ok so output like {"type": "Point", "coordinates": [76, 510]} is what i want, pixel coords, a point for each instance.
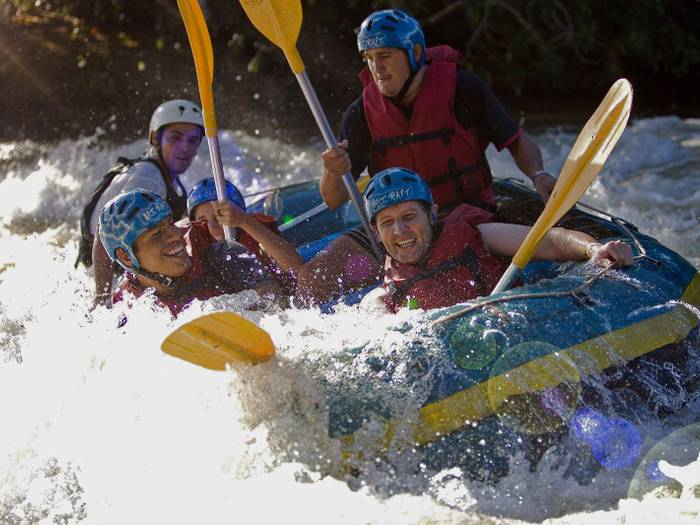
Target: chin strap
{"type": "Point", "coordinates": [168, 282]}
{"type": "Point", "coordinates": [404, 89]}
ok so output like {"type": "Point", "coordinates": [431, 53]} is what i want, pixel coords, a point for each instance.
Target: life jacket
{"type": "Point", "coordinates": [178, 203]}
{"type": "Point", "coordinates": [458, 266]}
{"type": "Point", "coordinates": [433, 142]}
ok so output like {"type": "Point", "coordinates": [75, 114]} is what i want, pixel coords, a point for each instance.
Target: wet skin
{"type": "Point", "coordinates": [161, 249]}
{"type": "Point", "coordinates": [178, 146]}
{"type": "Point", "coordinates": [405, 230]}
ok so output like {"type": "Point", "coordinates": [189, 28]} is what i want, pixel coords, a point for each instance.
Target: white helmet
{"type": "Point", "coordinates": [175, 111]}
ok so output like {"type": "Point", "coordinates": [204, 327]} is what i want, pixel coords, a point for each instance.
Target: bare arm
{"type": "Point", "coordinates": [276, 246]}
{"type": "Point", "coordinates": [559, 244]}
{"type": "Point", "coordinates": [336, 162]}
{"type": "Point", "coordinates": [528, 158]}
{"type": "Point", "coordinates": [102, 266]}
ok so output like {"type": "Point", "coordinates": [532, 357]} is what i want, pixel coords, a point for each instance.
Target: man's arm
{"type": "Point", "coordinates": [528, 158]}
{"type": "Point", "coordinates": [102, 266]}
{"type": "Point", "coordinates": [350, 155]}
{"type": "Point", "coordinates": [559, 244]}
{"type": "Point", "coordinates": [274, 245]}
{"type": "Point", "coordinates": [336, 162]}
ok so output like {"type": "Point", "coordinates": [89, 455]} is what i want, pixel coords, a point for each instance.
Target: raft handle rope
{"type": "Point", "coordinates": [579, 293]}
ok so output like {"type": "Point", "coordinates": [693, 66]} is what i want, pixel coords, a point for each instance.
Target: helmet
{"type": "Point", "coordinates": [175, 111]}
{"type": "Point", "coordinates": [126, 217]}
{"type": "Point", "coordinates": [392, 28]}
{"type": "Point", "coordinates": [205, 191]}
{"type": "Point", "coordinates": [393, 186]}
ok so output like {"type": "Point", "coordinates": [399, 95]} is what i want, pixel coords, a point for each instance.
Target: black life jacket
{"type": "Point", "coordinates": [178, 203]}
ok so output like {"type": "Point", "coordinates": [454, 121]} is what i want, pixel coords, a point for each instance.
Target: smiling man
{"type": "Point", "coordinates": [418, 110]}
{"type": "Point", "coordinates": [431, 263]}
{"type": "Point", "coordinates": [178, 264]}
{"type": "Point", "coordinates": [175, 133]}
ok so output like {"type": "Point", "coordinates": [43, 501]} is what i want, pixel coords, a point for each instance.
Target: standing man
{"type": "Point", "coordinates": [419, 111]}
{"type": "Point", "coordinates": [174, 135]}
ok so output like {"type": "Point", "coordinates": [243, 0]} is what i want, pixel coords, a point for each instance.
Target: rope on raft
{"type": "Point", "coordinates": [578, 293]}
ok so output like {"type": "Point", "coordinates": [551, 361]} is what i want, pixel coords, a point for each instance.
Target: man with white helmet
{"type": "Point", "coordinates": [418, 110]}
{"type": "Point", "coordinates": [174, 135]}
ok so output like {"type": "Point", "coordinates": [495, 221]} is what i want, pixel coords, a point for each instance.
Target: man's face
{"type": "Point", "coordinates": [161, 249]}
{"type": "Point", "coordinates": [405, 231]}
{"type": "Point", "coordinates": [178, 146]}
{"type": "Point", "coordinates": [389, 67]}
{"type": "Point", "coordinates": [205, 213]}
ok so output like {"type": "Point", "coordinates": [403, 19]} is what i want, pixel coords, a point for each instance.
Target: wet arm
{"type": "Point", "coordinates": [278, 248]}
{"type": "Point", "coordinates": [102, 266]}
{"type": "Point", "coordinates": [559, 244]}
{"type": "Point", "coordinates": [528, 158]}
{"type": "Point", "coordinates": [282, 251]}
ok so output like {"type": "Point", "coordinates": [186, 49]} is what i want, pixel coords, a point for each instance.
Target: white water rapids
{"type": "Point", "coordinates": [98, 426]}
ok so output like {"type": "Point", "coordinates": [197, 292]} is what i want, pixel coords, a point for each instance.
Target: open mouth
{"type": "Point", "coordinates": [405, 244]}
{"type": "Point", "coordinates": [175, 251]}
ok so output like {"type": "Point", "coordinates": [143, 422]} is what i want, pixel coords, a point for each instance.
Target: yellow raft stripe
{"type": "Point", "coordinates": [589, 357]}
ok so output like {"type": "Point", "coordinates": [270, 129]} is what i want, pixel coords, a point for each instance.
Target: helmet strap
{"type": "Point", "coordinates": [168, 282]}
{"type": "Point", "coordinates": [404, 89]}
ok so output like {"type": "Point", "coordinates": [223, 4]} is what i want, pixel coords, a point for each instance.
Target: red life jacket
{"type": "Point", "coordinates": [433, 143]}
{"type": "Point", "coordinates": [458, 266]}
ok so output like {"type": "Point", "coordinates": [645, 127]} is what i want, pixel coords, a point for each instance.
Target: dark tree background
{"type": "Point", "coordinates": [71, 66]}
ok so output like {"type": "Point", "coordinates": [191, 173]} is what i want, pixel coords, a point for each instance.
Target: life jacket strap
{"type": "Point", "coordinates": [382, 145]}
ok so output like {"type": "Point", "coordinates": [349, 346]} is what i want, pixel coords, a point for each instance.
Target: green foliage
{"type": "Point", "coordinates": [521, 47]}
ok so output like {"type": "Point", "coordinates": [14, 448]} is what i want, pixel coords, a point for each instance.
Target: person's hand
{"type": "Point", "coordinates": [228, 214]}
{"type": "Point", "coordinates": [617, 253]}
{"type": "Point", "coordinates": [544, 184]}
{"type": "Point", "coordinates": [336, 161]}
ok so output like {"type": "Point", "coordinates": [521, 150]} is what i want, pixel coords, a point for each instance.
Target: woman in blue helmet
{"type": "Point", "coordinates": [179, 264]}
{"type": "Point", "coordinates": [417, 110]}
{"type": "Point", "coordinates": [432, 263]}
{"type": "Point", "coordinates": [174, 135]}
{"type": "Point", "coordinates": [257, 232]}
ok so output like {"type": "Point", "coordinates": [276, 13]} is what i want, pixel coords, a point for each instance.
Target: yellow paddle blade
{"type": "Point", "coordinates": [200, 43]}
{"type": "Point", "coordinates": [592, 148]}
{"type": "Point", "coordinates": [215, 340]}
{"type": "Point", "coordinates": [363, 182]}
{"type": "Point", "coordinates": [280, 22]}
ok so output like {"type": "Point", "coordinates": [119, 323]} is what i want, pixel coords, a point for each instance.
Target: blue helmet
{"type": "Point", "coordinates": [393, 186]}
{"type": "Point", "coordinates": [392, 28]}
{"type": "Point", "coordinates": [205, 191]}
{"type": "Point", "coordinates": [126, 217]}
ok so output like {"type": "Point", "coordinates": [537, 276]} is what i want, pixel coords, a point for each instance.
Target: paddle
{"type": "Point", "coordinates": [215, 340]}
{"type": "Point", "coordinates": [316, 210]}
{"type": "Point", "coordinates": [590, 151]}
{"type": "Point", "coordinates": [198, 35]}
{"type": "Point", "coordinates": [280, 22]}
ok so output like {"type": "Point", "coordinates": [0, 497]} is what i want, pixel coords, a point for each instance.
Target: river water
{"type": "Point", "coordinates": [98, 426]}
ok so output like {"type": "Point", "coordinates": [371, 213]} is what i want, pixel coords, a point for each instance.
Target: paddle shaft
{"type": "Point", "coordinates": [330, 141]}
{"type": "Point", "coordinates": [510, 275]}
{"type": "Point", "coordinates": [200, 43]}
{"type": "Point", "coordinates": [219, 181]}
{"type": "Point", "coordinates": [588, 154]}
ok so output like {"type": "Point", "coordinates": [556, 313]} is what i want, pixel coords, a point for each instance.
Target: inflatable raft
{"type": "Point", "coordinates": [543, 361]}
